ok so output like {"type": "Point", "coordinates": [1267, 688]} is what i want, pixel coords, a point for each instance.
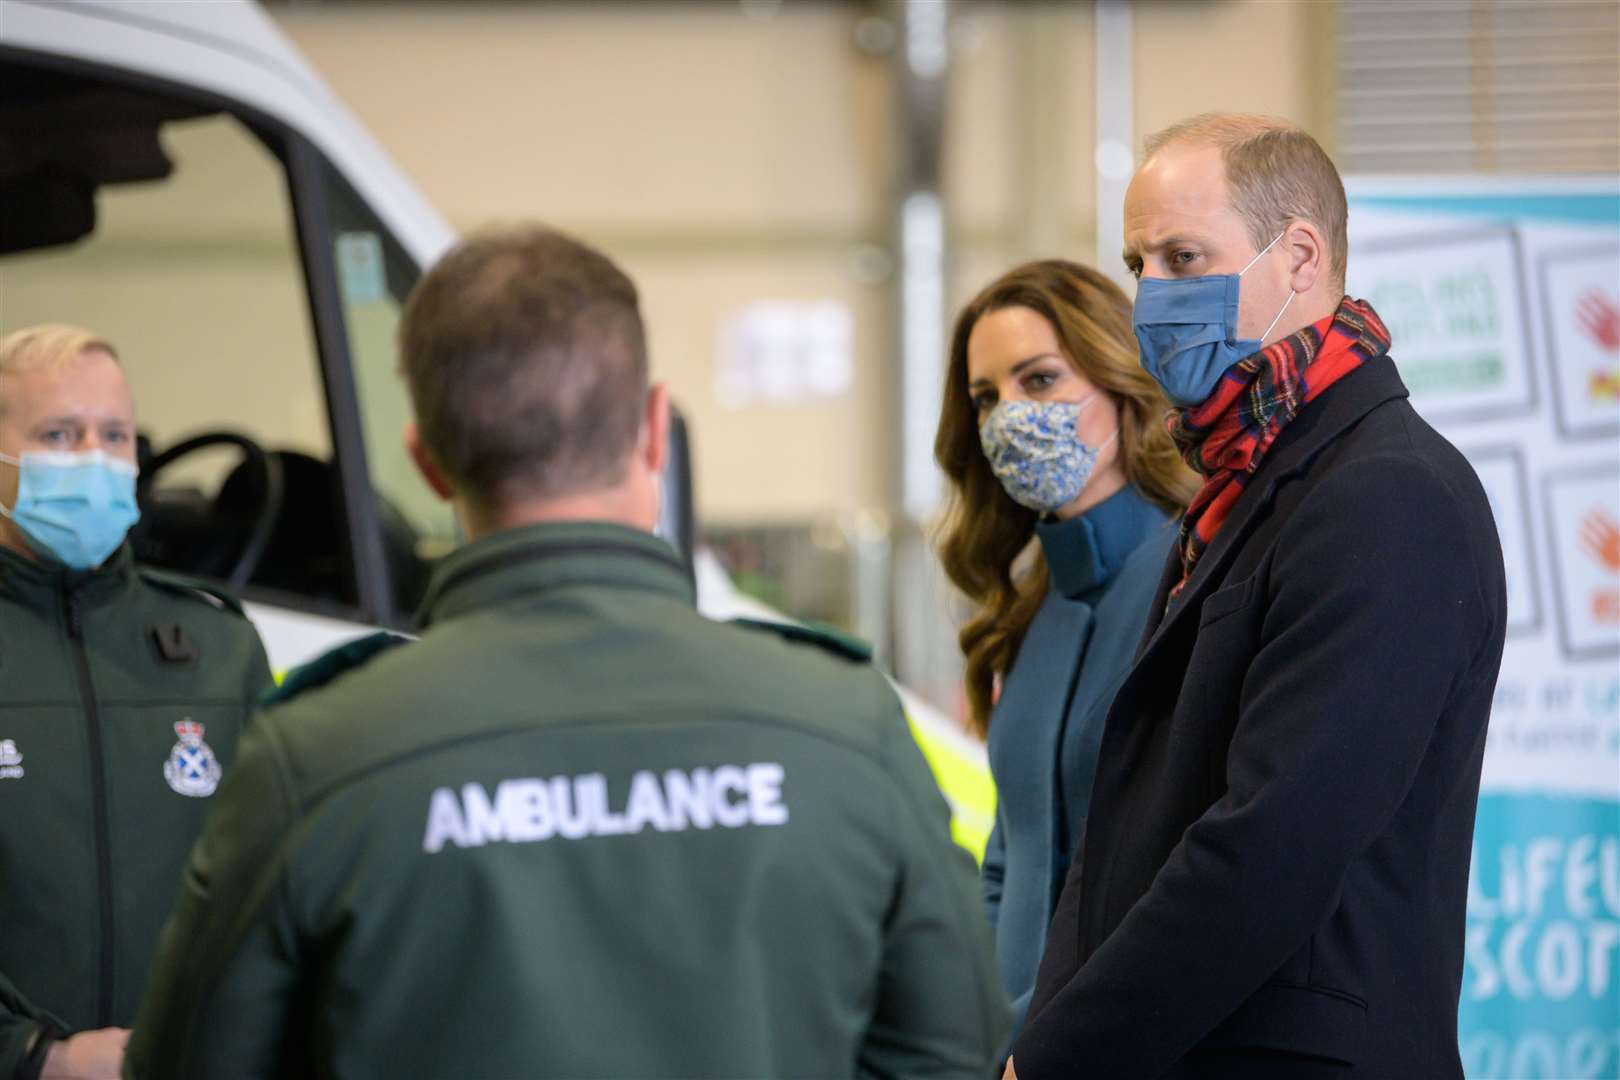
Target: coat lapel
{"type": "Point", "coordinates": [1161, 596]}
{"type": "Point", "coordinates": [1340, 408]}
{"type": "Point", "coordinates": [1038, 692]}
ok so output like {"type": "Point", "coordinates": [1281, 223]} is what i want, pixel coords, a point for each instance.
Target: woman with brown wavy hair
{"type": "Point", "coordinates": [1063, 481]}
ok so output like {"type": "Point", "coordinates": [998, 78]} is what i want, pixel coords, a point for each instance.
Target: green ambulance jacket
{"type": "Point", "coordinates": [577, 830]}
{"type": "Point", "coordinates": [122, 695]}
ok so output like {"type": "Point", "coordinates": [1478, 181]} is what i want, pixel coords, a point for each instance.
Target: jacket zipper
{"type": "Point", "coordinates": [98, 800]}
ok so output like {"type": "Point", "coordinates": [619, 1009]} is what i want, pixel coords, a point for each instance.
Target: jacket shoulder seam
{"type": "Point", "coordinates": [193, 589]}
{"type": "Point", "coordinates": [827, 639]}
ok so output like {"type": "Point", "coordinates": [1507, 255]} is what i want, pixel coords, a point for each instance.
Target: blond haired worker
{"type": "Point", "coordinates": [1273, 878]}
{"type": "Point", "coordinates": [122, 693]}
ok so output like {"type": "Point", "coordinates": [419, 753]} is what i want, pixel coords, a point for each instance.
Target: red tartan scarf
{"type": "Point", "coordinates": [1227, 436]}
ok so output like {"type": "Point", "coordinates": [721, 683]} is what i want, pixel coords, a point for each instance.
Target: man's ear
{"type": "Point", "coordinates": [654, 448]}
{"type": "Point", "coordinates": [424, 463]}
{"type": "Point", "coordinates": [1307, 256]}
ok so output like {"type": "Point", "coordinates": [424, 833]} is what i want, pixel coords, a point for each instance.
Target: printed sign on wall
{"type": "Point", "coordinates": [785, 352]}
{"type": "Point", "coordinates": [1454, 305]}
{"type": "Point", "coordinates": [1583, 516]}
{"type": "Point", "coordinates": [1501, 472]}
{"type": "Point", "coordinates": [1582, 297]}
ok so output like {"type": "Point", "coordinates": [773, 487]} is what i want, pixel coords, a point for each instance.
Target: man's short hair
{"type": "Point", "coordinates": [47, 345]}
{"type": "Point", "coordinates": [1276, 173]}
{"type": "Point", "coordinates": [527, 366]}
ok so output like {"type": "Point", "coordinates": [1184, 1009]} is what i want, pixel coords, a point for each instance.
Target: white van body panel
{"type": "Point", "coordinates": [296, 637]}
{"type": "Point", "coordinates": [232, 49]}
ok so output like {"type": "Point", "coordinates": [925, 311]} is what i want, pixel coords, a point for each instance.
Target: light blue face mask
{"type": "Point", "coordinates": [1187, 330]}
{"type": "Point", "coordinates": [1033, 449]}
{"type": "Point", "coordinates": [74, 509]}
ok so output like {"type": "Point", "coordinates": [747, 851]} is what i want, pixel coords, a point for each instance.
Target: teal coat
{"type": "Point", "coordinates": [1048, 723]}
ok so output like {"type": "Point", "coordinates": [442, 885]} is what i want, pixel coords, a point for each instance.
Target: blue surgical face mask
{"type": "Point", "coordinates": [74, 509]}
{"type": "Point", "coordinates": [1035, 452]}
{"type": "Point", "coordinates": [1187, 330]}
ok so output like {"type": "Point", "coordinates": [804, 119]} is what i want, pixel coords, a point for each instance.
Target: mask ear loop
{"type": "Point", "coordinates": [1261, 252]}
{"type": "Point", "coordinates": [1280, 311]}
{"type": "Point", "coordinates": [1291, 293]}
{"type": "Point", "coordinates": [1081, 408]}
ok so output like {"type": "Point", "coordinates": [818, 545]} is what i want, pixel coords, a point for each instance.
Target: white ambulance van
{"type": "Point", "coordinates": [174, 175]}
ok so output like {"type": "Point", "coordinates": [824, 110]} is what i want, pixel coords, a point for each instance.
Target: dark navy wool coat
{"type": "Point", "coordinates": [1275, 869]}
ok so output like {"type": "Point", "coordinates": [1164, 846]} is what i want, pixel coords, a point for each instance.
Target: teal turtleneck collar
{"type": "Point", "coordinates": [1085, 552]}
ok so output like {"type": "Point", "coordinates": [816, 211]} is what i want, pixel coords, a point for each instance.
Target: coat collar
{"type": "Point", "coordinates": [42, 584]}
{"type": "Point", "coordinates": [537, 557]}
{"type": "Point", "coordinates": [1085, 552]}
{"type": "Point", "coordinates": [1340, 408]}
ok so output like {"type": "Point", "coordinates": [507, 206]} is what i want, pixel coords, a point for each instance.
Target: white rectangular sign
{"type": "Point", "coordinates": [1454, 305]}
{"type": "Point", "coordinates": [1581, 290]}
{"type": "Point", "coordinates": [1583, 517]}
{"type": "Point", "coordinates": [1501, 471]}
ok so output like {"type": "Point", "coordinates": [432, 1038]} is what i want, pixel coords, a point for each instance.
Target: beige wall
{"type": "Point", "coordinates": [727, 159]}
{"type": "Point", "coordinates": [724, 159]}
{"type": "Point", "coordinates": [1264, 56]}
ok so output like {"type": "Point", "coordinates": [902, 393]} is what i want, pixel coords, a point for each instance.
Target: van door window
{"type": "Point", "coordinates": [374, 277]}
{"type": "Point", "coordinates": [178, 246]}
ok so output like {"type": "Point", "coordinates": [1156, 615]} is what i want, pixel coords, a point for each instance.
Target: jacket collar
{"type": "Point", "coordinates": [1340, 408]}
{"type": "Point", "coordinates": [534, 558]}
{"type": "Point", "coordinates": [1085, 552]}
{"type": "Point", "coordinates": [41, 584]}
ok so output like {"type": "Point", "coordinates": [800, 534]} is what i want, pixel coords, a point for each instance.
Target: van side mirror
{"type": "Point", "coordinates": [43, 211]}
{"type": "Point", "coordinates": [677, 518]}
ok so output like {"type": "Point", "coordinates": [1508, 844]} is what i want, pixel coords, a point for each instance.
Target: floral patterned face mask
{"type": "Point", "coordinates": [1036, 453]}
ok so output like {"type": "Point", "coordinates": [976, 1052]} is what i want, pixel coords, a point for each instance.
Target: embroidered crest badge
{"type": "Point", "coordinates": [192, 768]}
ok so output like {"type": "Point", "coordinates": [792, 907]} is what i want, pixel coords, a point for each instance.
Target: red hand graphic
{"type": "Point", "coordinates": [1600, 538]}
{"type": "Point", "coordinates": [1599, 317]}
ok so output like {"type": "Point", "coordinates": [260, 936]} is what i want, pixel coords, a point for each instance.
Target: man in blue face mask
{"type": "Point", "coordinates": [122, 693]}
{"type": "Point", "coordinates": [1274, 873]}
{"type": "Point", "coordinates": [67, 459]}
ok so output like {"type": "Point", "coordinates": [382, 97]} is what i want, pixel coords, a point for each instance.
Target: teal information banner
{"type": "Point", "coordinates": [1502, 296]}
{"type": "Point", "coordinates": [1541, 986]}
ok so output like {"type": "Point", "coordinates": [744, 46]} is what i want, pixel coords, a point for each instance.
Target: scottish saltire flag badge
{"type": "Point", "coordinates": [192, 768]}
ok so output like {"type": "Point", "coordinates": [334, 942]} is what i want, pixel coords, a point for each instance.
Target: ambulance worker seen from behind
{"type": "Point", "coordinates": [577, 830]}
{"type": "Point", "coordinates": [122, 693]}
{"type": "Point", "coordinates": [1052, 435]}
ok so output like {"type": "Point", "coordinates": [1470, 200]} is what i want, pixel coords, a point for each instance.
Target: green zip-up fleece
{"type": "Point", "coordinates": [122, 694]}
{"type": "Point", "coordinates": [577, 830]}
